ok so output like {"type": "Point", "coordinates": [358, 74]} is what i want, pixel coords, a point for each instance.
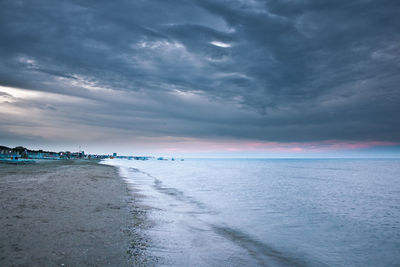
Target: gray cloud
{"type": "Point", "coordinates": [289, 71]}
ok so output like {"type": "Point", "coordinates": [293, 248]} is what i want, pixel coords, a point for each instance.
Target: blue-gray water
{"type": "Point", "coordinates": [282, 212]}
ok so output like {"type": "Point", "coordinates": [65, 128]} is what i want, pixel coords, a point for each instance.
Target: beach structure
{"type": "Point", "coordinates": [17, 152]}
{"type": "Point", "coordinates": [22, 152]}
{"type": "Point", "coordinates": [43, 155]}
{"type": "Point", "coordinates": [17, 155]}
{"type": "Point", "coordinates": [5, 152]}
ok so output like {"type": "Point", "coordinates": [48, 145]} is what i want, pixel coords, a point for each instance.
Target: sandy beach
{"type": "Point", "coordinates": [68, 213]}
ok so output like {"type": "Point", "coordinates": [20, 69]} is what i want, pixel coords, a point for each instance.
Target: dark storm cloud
{"type": "Point", "coordinates": [267, 70]}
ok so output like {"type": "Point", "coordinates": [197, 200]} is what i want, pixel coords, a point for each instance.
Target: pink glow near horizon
{"type": "Point", "coordinates": [274, 147]}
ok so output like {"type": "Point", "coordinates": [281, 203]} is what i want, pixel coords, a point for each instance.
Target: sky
{"type": "Point", "coordinates": [236, 78]}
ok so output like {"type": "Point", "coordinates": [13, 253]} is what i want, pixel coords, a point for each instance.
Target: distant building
{"type": "Point", "coordinates": [22, 152]}
{"type": "Point", "coordinates": [5, 152]}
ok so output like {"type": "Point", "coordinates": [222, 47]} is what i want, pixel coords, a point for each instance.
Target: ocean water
{"type": "Point", "coordinates": [270, 212]}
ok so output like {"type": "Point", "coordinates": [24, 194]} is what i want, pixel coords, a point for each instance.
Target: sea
{"type": "Point", "coordinates": [269, 212]}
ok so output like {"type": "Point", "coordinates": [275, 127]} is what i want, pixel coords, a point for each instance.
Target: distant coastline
{"type": "Point", "coordinates": [21, 154]}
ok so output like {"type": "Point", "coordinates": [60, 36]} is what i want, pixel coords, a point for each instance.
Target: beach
{"type": "Point", "coordinates": [69, 213]}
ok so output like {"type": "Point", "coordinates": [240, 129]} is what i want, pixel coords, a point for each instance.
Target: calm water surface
{"type": "Point", "coordinates": [282, 212]}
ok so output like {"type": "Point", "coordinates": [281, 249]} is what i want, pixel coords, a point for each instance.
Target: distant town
{"type": "Point", "coordinates": [23, 154]}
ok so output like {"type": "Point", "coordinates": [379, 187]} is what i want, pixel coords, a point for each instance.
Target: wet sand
{"type": "Point", "coordinates": [69, 214]}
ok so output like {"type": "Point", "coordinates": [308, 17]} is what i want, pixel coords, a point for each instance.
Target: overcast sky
{"type": "Point", "coordinates": [196, 76]}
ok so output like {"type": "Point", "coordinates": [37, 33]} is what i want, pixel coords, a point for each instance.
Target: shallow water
{"type": "Point", "coordinates": [282, 212]}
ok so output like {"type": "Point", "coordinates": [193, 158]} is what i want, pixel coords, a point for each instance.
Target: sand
{"type": "Point", "coordinates": [68, 213]}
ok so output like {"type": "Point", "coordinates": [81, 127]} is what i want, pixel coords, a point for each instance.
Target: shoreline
{"type": "Point", "coordinates": [69, 213]}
